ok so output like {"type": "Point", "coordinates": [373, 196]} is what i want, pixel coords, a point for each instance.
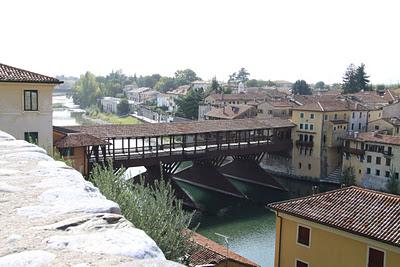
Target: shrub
{"type": "Point", "coordinates": [392, 184]}
{"type": "Point", "coordinates": [348, 177]}
{"type": "Point", "coordinates": [154, 209]}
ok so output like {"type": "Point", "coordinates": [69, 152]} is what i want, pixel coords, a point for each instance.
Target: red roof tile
{"type": "Point", "coordinates": [12, 74]}
{"type": "Point", "coordinates": [375, 138]}
{"type": "Point", "coordinates": [363, 212]}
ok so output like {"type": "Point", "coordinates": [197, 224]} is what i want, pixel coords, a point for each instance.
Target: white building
{"type": "Point", "coordinates": [110, 104]}
{"type": "Point", "coordinates": [200, 84]}
{"type": "Point", "coordinates": [26, 110]}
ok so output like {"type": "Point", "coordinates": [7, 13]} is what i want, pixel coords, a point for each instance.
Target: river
{"type": "Point", "coordinates": [250, 227]}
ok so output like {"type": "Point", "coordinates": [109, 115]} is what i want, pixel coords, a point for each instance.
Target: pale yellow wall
{"type": "Point", "coordinates": [383, 125]}
{"type": "Point", "coordinates": [328, 247]}
{"type": "Point", "coordinates": [374, 115]}
{"type": "Point", "coordinates": [15, 121]}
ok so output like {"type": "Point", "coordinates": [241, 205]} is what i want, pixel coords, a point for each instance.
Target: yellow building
{"type": "Point", "coordinates": [320, 125]}
{"type": "Point", "coordinates": [348, 227]}
{"type": "Point", "coordinates": [26, 105]}
{"type": "Point", "coordinates": [389, 125]}
{"type": "Point", "coordinates": [372, 156]}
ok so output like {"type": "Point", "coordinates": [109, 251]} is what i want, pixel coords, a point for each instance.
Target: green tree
{"type": "Point", "coordinates": [361, 78]}
{"type": "Point", "coordinates": [154, 209]}
{"type": "Point", "coordinates": [215, 86]}
{"type": "Point", "coordinates": [320, 85]}
{"type": "Point", "coordinates": [188, 106]}
{"type": "Point", "coordinates": [300, 87]}
{"type": "Point", "coordinates": [241, 76]}
{"type": "Point", "coordinates": [148, 80]}
{"type": "Point", "coordinates": [252, 83]}
{"type": "Point", "coordinates": [165, 84]}
{"type": "Point", "coordinates": [185, 77]}
{"type": "Point", "coordinates": [348, 177]}
{"type": "Point", "coordinates": [392, 184]}
{"type": "Point", "coordinates": [86, 90]}
{"type": "Point", "coordinates": [123, 107]}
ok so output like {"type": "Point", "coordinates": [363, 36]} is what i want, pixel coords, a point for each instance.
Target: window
{"type": "Point", "coordinates": [301, 137]}
{"type": "Point", "coordinates": [377, 172]}
{"type": "Point", "coordinates": [309, 166]}
{"type": "Point", "coordinates": [359, 126]}
{"type": "Point", "coordinates": [376, 258]}
{"type": "Point", "coordinates": [303, 235]}
{"type": "Point", "coordinates": [311, 138]}
{"type": "Point", "coordinates": [387, 173]}
{"type": "Point", "coordinates": [352, 126]}
{"type": "Point", "coordinates": [360, 114]}
{"type": "Point", "coordinates": [388, 162]}
{"type": "Point", "coordinates": [396, 175]}
{"type": "Point", "coordinates": [389, 151]}
{"type": "Point", "coordinates": [352, 115]}
{"type": "Point", "coordinates": [335, 116]}
{"type": "Point", "coordinates": [300, 163]}
{"type": "Point", "coordinates": [301, 126]}
{"type": "Point", "coordinates": [30, 100]}
{"type": "Point", "coordinates": [301, 115]}
{"type": "Point", "coordinates": [67, 152]}
{"type": "Point", "coordinates": [369, 159]}
{"type": "Point", "coordinates": [359, 171]}
{"type": "Point", "coordinates": [31, 137]}
{"type": "Point", "coordinates": [312, 116]}
{"type": "Point", "coordinates": [368, 170]}
{"type": "Point", "coordinates": [326, 117]}
{"type": "Point", "coordinates": [306, 126]}
{"type": "Point", "coordinates": [376, 127]}
{"type": "Point", "coordinates": [378, 160]}
{"type": "Point", "coordinates": [300, 263]}
{"type": "Point", "coordinates": [311, 126]}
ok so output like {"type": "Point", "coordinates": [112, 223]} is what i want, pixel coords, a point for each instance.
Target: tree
{"type": "Point", "coordinates": [188, 106]}
{"type": "Point", "coordinates": [185, 77]}
{"type": "Point", "coordinates": [154, 209]}
{"type": "Point", "coordinates": [348, 177]}
{"type": "Point", "coordinates": [86, 90]}
{"type": "Point", "coordinates": [165, 84]}
{"type": "Point", "coordinates": [215, 87]}
{"type": "Point", "coordinates": [355, 79]}
{"type": "Point", "coordinates": [361, 79]}
{"type": "Point", "coordinates": [392, 184]}
{"type": "Point", "coordinates": [300, 87]}
{"type": "Point", "coordinates": [123, 107]}
{"type": "Point", "coordinates": [320, 85]}
{"type": "Point", "coordinates": [241, 76]}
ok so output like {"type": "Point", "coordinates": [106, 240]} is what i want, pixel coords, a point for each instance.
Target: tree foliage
{"type": "Point", "coordinates": [86, 90]}
{"type": "Point", "coordinates": [165, 84]}
{"type": "Point", "coordinates": [123, 107]}
{"type": "Point", "coordinates": [241, 76]}
{"type": "Point", "coordinates": [348, 176]}
{"type": "Point", "coordinates": [355, 79]}
{"type": "Point", "coordinates": [154, 209]}
{"type": "Point", "coordinates": [259, 83]}
{"type": "Point", "coordinates": [188, 106]}
{"type": "Point", "coordinates": [320, 85]}
{"type": "Point", "coordinates": [392, 184]}
{"type": "Point", "coordinates": [215, 86]}
{"type": "Point", "coordinates": [300, 87]}
{"type": "Point", "coordinates": [185, 77]}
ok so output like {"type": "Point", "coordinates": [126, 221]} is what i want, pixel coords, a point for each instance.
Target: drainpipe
{"type": "Point", "coordinates": [280, 238]}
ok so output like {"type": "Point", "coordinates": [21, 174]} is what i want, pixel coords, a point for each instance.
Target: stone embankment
{"type": "Point", "coordinates": [51, 216]}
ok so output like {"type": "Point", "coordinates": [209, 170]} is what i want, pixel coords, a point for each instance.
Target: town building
{"type": "Point", "coordinates": [347, 227]}
{"type": "Point", "coordinates": [200, 84]}
{"type": "Point", "coordinates": [236, 99]}
{"type": "Point", "coordinates": [320, 125]}
{"type": "Point", "coordinates": [388, 121]}
{"type": "Point", "coordinates": [110, 104]}
{"type": "Point", "coordinates": [275, 108]}
{"type": "Point", "coordinates": [231, 112]}
{"type": "Point", "coordinates": [26, 105]}
{"type": "Point", "coordinates": [142, 95]}
{"type": "Point", "coordinates": [167, 100]}
{"type": "Point", "coordinates": [372, 157]}
{"type": "Point", "coordinates": [210, 253]}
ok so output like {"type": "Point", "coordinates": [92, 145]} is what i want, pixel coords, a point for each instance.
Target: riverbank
{"type": "Point", "coordinates": [112, 118]}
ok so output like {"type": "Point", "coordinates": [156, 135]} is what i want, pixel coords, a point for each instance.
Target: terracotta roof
{"type": "Point", "coordinates": [79, 140]}
{"type": "Point", "coordinates": [165, 129]}
{"type": "Point", "coordinates": [375, 138]}
{"type": "Point", "coordinates": [393, 120]}
{"type": "Point", "coordinates": [241, 96]}
{"type": "Point", "coordinates": [211, 252]}
{"type": "Point", "coordinates": [331, 105]}
{"type": "Point", "coordinates": [12, 74]}
{"type": "Point", "coordinates": [229, 112]}
{"type": "Point", "coordinates": [363, 212]}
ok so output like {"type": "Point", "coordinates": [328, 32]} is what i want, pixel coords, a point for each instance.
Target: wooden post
{"type": "Point", "coordinates": [142, 147]}
{"type": "Point", "coordinates": [228, 139]}
{"type": "Point", "coordinates": [123, 150]}
{"type": "Point", "coordinates": [217, 135]}
{"type": "Point", "coordinates": [195, 143]}
{"type": "Point", "coordinates": [156, 146]}
{"type": "Point", "coordinates": [183, 143]}
{"type": "Point", "coordinates": [96, 153]}
{"type": "Point", "coordinates": [136, 147]}
{"type": "Point", "coordinates": [113, 148]}
{"type": "Point", "coordinates": [103, 150]}
{"type": "Point", "coordinates": [239, 138]}
{"type": "Point", "coordinates": [170, 145]}
{"type": "Point", "coordinates": [206, 141]}
{"type": "Point", "coordinates": [129, 148]}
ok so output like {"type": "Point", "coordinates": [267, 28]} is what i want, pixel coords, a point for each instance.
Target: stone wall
{"type": "Point", "coordinates": [51, 216]}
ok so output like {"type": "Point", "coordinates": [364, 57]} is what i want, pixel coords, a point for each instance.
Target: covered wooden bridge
{"type": "Point", "coordinates": [150, 144]}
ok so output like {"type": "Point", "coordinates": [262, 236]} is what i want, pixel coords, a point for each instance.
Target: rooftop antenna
{"type": "Point", "coordinates": [227, 245]}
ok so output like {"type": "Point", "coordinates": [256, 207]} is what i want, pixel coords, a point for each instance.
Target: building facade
{"type": "Point", "coordinates": [26, 105]}
{"type": "Point", "coordinates": [347, 227]}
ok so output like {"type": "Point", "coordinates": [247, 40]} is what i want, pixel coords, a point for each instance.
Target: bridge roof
{"type": "Point", "coordinates": [165, 129]}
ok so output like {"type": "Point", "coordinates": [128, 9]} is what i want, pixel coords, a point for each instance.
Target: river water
{"type": "Point", "coordinates": [250, 227]}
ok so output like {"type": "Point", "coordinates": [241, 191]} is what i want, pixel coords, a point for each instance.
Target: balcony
{"type": "Point", "coordinates": [387, 154]}
{"type": "Point", "coordinates": [354, 151]}
{"type": "Point", "coordinates": [304, 143]}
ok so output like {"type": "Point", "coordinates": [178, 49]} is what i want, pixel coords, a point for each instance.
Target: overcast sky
{"type": "Point", "coordinates": [279, 39]}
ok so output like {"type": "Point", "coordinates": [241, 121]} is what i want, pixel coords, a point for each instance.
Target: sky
{"type": "Point", "coordinates": [276, 40]}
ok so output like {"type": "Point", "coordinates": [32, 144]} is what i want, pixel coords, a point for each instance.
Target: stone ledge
{"type": "Point", "coordinates": [51, 216]}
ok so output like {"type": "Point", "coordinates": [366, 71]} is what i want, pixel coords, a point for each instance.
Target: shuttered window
{"type": "Point", "coordinates": [303, 235]}
{"type": "Point", "coordinates": [376, 258]}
